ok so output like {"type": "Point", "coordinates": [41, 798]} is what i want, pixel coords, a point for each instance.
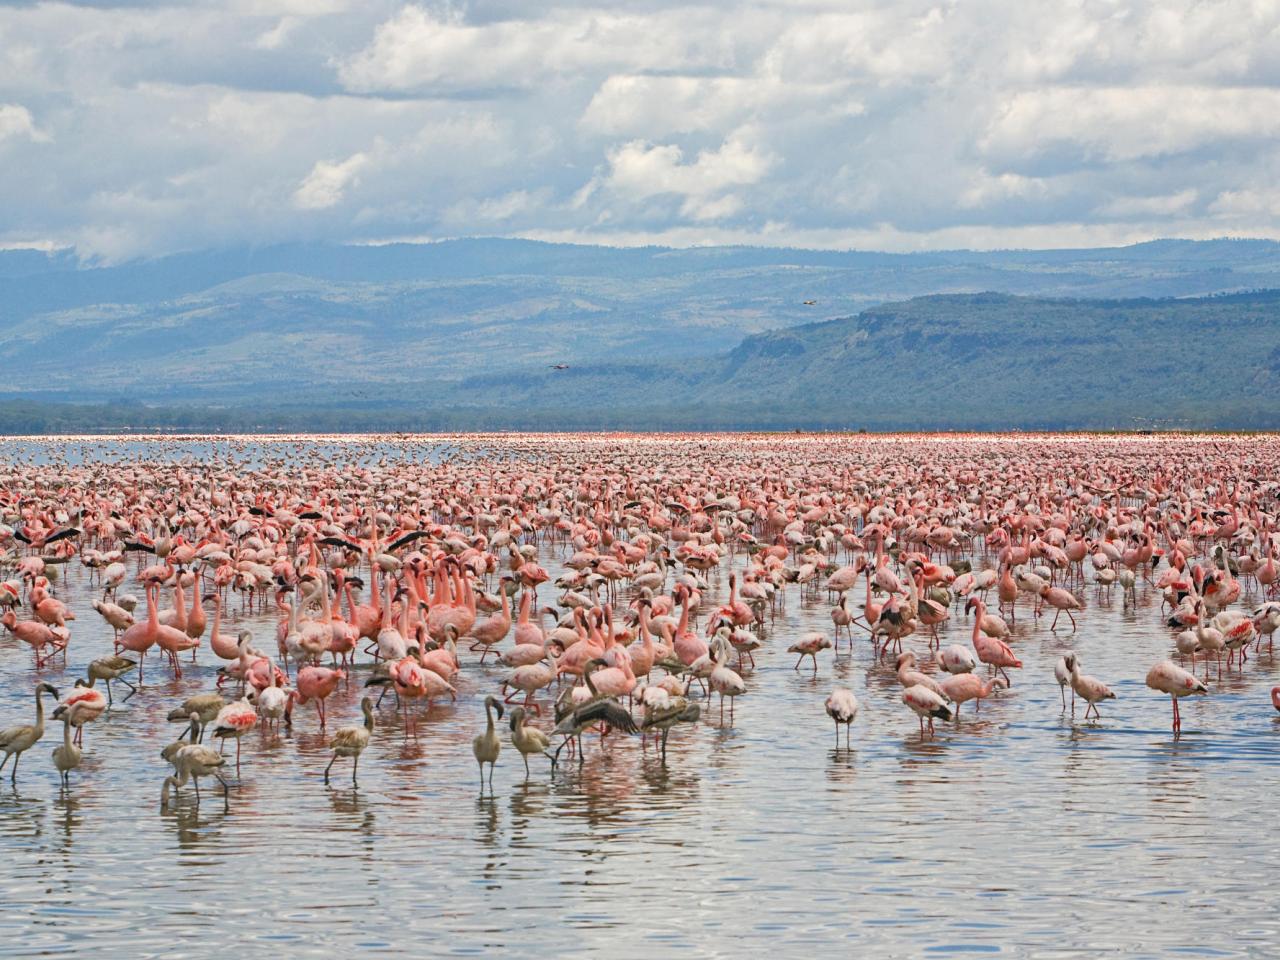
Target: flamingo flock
{"type": "Point", "coordinates": [416, 580]}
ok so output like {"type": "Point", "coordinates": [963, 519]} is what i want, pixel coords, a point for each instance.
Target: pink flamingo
{"type": "Point", "coordinates": [223, 647]}
{"type": "Point", "coordinates": [962, 687]}
{"type": "Point", "coordinates": [1060, 600]}
{"type": "Point", "coordinates": [141, 637]}
{"type": "Point", "coordinates": [1168, 677]}
{"type": "Point", "coordinates": [995, 653]}
{"type": "Point", "coordinates": [688, 645]}
{"type": "Point", "coordinates": [37, 634]}
{"type": "Point", "coordinates": [314, 683]}
{"type": "Point", "coordinates": [83, 705]}
{"type": "Point", "coordinates": [235, 720]}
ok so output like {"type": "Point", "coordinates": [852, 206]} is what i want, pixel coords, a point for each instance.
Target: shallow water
{"type": "Point", "coordinates": [1015, 831]}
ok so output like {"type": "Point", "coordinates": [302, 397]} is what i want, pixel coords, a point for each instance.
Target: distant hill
{"type": "Point", "coordinates": [957, 361]}
{"type": "Point", "coordinates": [984, 361]}
{"type": "Point", "coordinates": [389, 326]}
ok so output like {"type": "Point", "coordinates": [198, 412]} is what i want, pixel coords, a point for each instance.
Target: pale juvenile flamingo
{"type": "Point", "coordinates": [486, 746]}
{"type": "Point", "coordinates": [67, 756]}
{"type": "Point", "coordinates": [111, 667]}
{"type": "Point", "coordinates": [527, 740]}
{"type": "Point", "coordinates": [842, 708]}
{"type": "Point", "coordinates": [1090, 689]}
{"type": "Point", "coordinates": [352, 741]}
{"type": "Point", "coordinates": [192, 762]}
{"type": "Point", "coordinates": [15, 741]}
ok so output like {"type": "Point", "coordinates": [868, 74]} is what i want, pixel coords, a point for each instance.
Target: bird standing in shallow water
{"type": "Point", "coordinates": [597, 709]}
{"type": "Point", "coordinates": [1168, 677]}
{"type": "Point", "coordinates": [234, 721]}
{"type": "Point", "coordinates": [67, 756]}
{"type": "Point", "coordinates": [526, 739]}
{"type": "Point", "coordinates": [926, 705]}
{"type": "Point", "coordinates": [808, 646]}
{"type": "Point", "coordinates": [351, 741]}
{"type": "Point", "coordinates": [964, 687]}
{"type": "Point", "coordinates": [1091, 689]}
{"type": "Point", "coordinates": [664, 712]}
{"type": "Point", "coordinates": [110, 668]}
{"type": "Point", "coordinates": [15, 741]}
{"type": "Point", "coordinates": [487, 746]}
{"type": "Point", "coordinates": [192, 762]}
{"type": "Point", "coordinates": [83, 705]}
{"type": "Point", "coordinates": [842, 707]}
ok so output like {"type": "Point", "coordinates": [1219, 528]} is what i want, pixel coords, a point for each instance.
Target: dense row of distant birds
{"type": "Point", "coordinates": [448, 558]}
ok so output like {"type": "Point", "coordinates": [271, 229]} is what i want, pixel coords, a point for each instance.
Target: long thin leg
{"type": "Point", "coordinates": [326, 769]}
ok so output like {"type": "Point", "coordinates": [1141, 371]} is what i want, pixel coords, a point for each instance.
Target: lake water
{"type": "Point", "coordinates": [1017, 831]}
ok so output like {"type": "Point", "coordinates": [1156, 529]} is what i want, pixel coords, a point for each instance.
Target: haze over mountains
{"type": "Point", "coordinates": [464, 334]}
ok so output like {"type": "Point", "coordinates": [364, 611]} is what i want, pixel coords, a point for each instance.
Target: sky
{"type": "Point", "coordinates": [138, 129]}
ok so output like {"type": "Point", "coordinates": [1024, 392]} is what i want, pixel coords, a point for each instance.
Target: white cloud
{"type": "Point", "coordinates": [418, 50]}
{"type": "Point", "coordinates": [1160, 205]}
{"type": "Point", "coordinates": [1250, 203]}
{"type": "Point", "coordinates": [1119, 124]}
{"type": "Point", "coordinates": [274, 38]}
{"type": "Point", "coordinates": [325, 185]}
{"type": "Point", "coordinates": [640, 170]}
{"type": "Point", "coordinates": [1005, 186]}
{"type": "Point", "coordinates": [131, 129]}
{"type": "Point", "coordinates": [16, 121]}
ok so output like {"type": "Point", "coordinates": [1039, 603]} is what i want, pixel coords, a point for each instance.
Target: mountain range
{"type": "Point", "coordinates": [524, 335]}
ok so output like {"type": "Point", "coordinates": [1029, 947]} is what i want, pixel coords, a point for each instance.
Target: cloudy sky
{"type": "Point", "coordinates": [132, 129]}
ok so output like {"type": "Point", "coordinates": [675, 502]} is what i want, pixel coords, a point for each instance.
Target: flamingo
{"type": "Point", "coordinates": [15, 741]}
{"type": "Point", "coordinates": [486, 746]}
{"type": "Point", "coordinates": [83, 705]}
{"type": "Point", "coordinates": [234, 721]}
{"type": "Point", "coordinates": [352, 741]}
{"type": "Point", "coordinates": [926, 704]}
{"type": "Point", "coordinates": [810, 645]}
{"type": "Point", "coordinates": [963, 687]}
{"type": "Point", "coordinates": [1168, 677]}
{"type": "Point", "coordinates": [1061, 600]}
{"type": "Point", "coordinates": [991, 651]}
{"type": "Point", "coordinates": [526, 739]}
{"type": "Point", "coordinates": [842, 708]}
{"type": "Point", "coordinates": [1090, 689]}
{"type": "Point", "coordinates": [314, 683]}
{"type": "Point", "coordinates": [67, 756]}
